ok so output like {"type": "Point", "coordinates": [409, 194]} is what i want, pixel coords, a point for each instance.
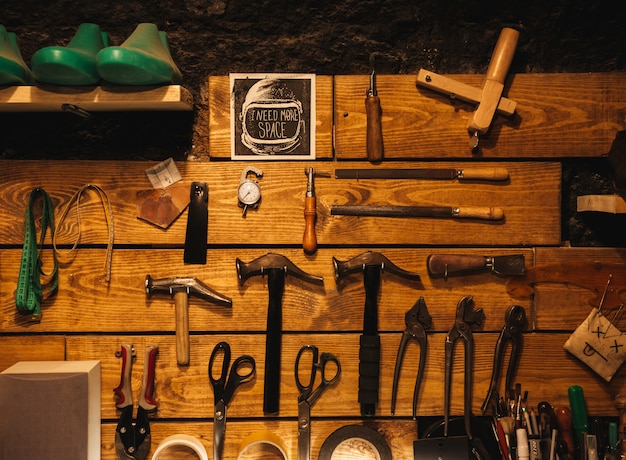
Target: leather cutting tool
{"type": "Point", "coordinates": [132, 441]}
{"type": "Point", "coordinates": [242, 371]}
{"type": "Point", "coordinates": [417, 320]}
{"type": "Point", "coordinates": [511, 334]}
{"type": "Point", "coordinates": [465, 318]}
{"type": "Point", "coordinates": [309, 395]}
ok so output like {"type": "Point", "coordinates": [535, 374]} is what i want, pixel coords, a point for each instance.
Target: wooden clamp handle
{"type": "Point", "coordinates": [375, 149]}
{"type": "Point", "coordinates": [494, 81]}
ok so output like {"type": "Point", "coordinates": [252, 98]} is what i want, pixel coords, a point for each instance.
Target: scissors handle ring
{"type": "Point", "coordinates": [221, 380]}
{"type": "Point", "coordinates": [315, 355]}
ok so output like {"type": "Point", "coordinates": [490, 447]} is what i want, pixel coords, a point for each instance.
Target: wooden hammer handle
{"type": "Point", "coordinates": [181, 301]}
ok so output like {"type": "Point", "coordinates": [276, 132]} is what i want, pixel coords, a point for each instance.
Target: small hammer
{"type": "Point", "coordinates": [181, 289]}
{"type": "Point", "coordinates": [372, 265]}
{"type": "Point", "coordinates": [276, 266]}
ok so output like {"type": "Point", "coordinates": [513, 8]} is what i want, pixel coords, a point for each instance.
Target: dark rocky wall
{"type": "Point", "coordinates": [324, 37]}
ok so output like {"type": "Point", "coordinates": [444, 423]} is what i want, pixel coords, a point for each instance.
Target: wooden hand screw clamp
{"type": "Point", "coordinates": [489, 97]}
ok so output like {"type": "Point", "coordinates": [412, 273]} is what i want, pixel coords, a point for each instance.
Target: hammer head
{"type": "Point", "coordinates": [370, 258]}
{"type": "Point", "coordinates": [273, 261]}
{"type": "Point", "coordinates": [189, 285]}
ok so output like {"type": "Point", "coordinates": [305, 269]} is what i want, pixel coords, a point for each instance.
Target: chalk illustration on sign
{"type": "Point", "coordinates": [272, 116]}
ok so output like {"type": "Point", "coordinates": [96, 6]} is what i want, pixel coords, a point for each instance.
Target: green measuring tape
{"type": "Point", "coordinates": [30, 290]}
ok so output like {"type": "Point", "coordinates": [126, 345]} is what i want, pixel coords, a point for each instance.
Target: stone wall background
{"type": "Point", "coordinates": [216, 37]}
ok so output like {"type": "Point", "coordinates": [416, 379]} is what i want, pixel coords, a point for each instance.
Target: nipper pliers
{"type": "Point", "coordinates": [511, 334]}
{"type": "Point", "coordinates": [417, 320]}
{"type": "Point", "coordinates": [465, 318]}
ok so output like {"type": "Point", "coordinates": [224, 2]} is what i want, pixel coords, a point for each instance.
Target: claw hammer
{"type": "Point", "coordinates": [181, 289]}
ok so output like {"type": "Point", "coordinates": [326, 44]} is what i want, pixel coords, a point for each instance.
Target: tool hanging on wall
{"type": "Point", "coordinates": [373, 111]}
{"type": "Point", "coordinates": [471, 173]}
{"type": "Point", "coordinates": [249, 190]}
{"type": "Point", "coordinates": [372, 265]}
{"type": "Point", "coordinates": [224, 384]}
{"type": "Point", "coordinates": [463, 212]}
{"type": "Point", "coordinates": [33, 284]}
{"type": "Point", "coordinates": [197, 224]}
{"type": "Point", "coordinates": [181, 289]}
{"type": "Point", "coordinates": [444, 265]}
{"type": "Point", "coordinates": [276, 267]}
{"type": "Point", "coordinates": [132, 441]}
{"type": "Point", "coordinates": [510, 337]}
{"type": "Point", "coordinates": [417, 319]}
{"type": "Point", "coordinates": [309, 239]}
{"type": "Point", "coordinates": [489, 98]}
{"type": "Point", "coordinates": [329, 368]}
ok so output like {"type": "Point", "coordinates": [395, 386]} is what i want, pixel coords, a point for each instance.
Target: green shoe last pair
{"type": "Point", "coordinates": [13, 69]}
{"type": "Point", "coordinates": [143, 59]}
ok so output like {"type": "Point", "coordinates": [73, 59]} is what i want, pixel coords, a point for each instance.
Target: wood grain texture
{"type": "Point", "coordinates": [530, 200]}
{"type": "Point", "coordinates": [219, 117]}
{"type": "Point", "coordinates": [558, 115]}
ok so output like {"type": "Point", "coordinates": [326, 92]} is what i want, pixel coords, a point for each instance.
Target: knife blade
{"type": "Point", "coordinates": [468, 212]}
{"type": "Point", "coordinates": [480, 173]}
{"type": "Point", "coordinates": [444, 265]}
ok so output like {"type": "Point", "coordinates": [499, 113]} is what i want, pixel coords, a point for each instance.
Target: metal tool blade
{"type": "Point", "coordinates": [391, 211]}
{"type": "Point", "coordinates": [408, 173]}
{"type": "Point", "coordinates": [509, 265]}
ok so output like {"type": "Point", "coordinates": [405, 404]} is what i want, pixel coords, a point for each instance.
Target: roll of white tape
{"type": "Point", "coordinates": [182, 440]}
{"type": "Point", "coordinates": [262, 441]}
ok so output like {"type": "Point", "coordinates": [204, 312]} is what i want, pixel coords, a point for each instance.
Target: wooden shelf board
{"type": "Point", "coordinates": [98, 98]}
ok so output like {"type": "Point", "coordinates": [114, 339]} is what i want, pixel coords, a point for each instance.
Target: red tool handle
{"type": "Point", "coordinates": [146, 398]}
{"type": "Point", "coordinates": [123, 392]}
{"type": "Point", "coordinates": [375, 150]}
{"type": "Point", "coordinates": [564, 420]}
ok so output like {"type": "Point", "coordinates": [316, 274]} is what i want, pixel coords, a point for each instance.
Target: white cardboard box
{"type": "Point", "coordinates": [50, 410]}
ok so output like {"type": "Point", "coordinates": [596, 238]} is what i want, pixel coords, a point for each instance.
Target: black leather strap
{"type": "Point", "coordinates": [197, 224]}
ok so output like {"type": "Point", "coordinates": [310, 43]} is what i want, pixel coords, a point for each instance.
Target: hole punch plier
{"type": "Point", "coordinates": [466, 317]}
{"type": "Point", "coordinates": [417, 320]}
{"type": "Point", "coordinates": [511, 334]}
{"type": "Point", "coordinates": [132, 440]}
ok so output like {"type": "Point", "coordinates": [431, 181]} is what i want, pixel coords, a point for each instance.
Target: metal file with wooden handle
{"type": "Point", "coordinates": [480, 121]}
{"type": "Point", "coordinates": [465, 212]}
{"type": "Point", "coordinates": [471, 173]}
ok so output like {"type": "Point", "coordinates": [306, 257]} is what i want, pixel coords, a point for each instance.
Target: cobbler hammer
{"type": "Point", "coordinates": [276, 266]}
{"type": "Point", "coordinates": [372, 265]}
{"type": "Point", "coordinates": [181, 288]}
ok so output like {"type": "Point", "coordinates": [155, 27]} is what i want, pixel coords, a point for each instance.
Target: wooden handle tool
{"type": "Point", "coordinates": [374, 136]}
{"type": "Point", "coordinates": [493, 85]}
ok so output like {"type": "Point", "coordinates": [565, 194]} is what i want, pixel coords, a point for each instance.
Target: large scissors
{"type": "Point", "coordinates": [308, 394]}
{"type": "Point", "coordinates": [243, 370]}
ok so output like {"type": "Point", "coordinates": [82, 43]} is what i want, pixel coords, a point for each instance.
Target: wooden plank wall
{"type": "Point", "coordinates": [90, 318]}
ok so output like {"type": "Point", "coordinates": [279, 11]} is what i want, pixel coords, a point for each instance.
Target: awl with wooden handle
{"type": "Point", "coordinates": [444, 265]}
{"type": "Point", "coordinates": [467, 212]}
{"type": "Point", "coordinates": [480, 121]}
{"type": "Point", "coordinates": [309, 239]}
{"type": "Point", "coordinates": [373, 112]}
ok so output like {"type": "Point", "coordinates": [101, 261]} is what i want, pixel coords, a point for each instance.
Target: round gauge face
{"type": "Point", "coordinates": [249, 192]}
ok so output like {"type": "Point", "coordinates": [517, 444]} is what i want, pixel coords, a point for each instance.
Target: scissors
{"type": "Point", "coordinates": [243, 370]}
{"type": "Point", "coordinates": [308, 394]}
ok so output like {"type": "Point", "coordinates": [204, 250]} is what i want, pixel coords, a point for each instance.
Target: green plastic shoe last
{"type": "Point", "coordinates": [143, 59]}
{"type": "Point", "coordinates": [75, 64]}
{"type": "Point", "coordinates": [13, 69]}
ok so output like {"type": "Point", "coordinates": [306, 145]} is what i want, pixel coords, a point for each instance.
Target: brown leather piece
{"type": "Point", "coordinates": [161, 207]}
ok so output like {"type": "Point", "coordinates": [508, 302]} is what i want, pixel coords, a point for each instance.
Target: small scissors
{"type": "Point", "coordinates": [308, 394]}
{"type": "Point", "coordinates": [243, 370]}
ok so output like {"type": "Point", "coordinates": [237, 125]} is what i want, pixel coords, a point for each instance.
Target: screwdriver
{"type": "Point", "coordinates": [373, 112]}
{"type": "Point", "coordinates": [309, 239]}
